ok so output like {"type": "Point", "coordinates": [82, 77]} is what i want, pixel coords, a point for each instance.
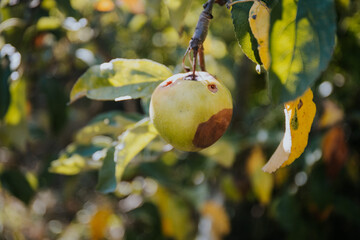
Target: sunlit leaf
{"type": "Point", "coordinates": [131, 91]}
{"type": "Point", "coordinates": [107, 179]}
{"type": "Point", "coordinates": [299, 115]}
{"type": "Point", "coordinates": [68, 165]}
{"type": "Point", "coordinates": [131, 142]}
{"type": "Point", "coordinates": [81, 5]}
{"type": "Point", "coordinates": [10, 23]}
{"type": "Point", "coordinates": [175, 215]}
{"type": "Point", "coordinates": [177, 11]}
{"type": "Point", "coordinates": [99, 223]}
{"type": "Point", "coordinates": [215, 46]}
{"type": "Point", "coordinates": [32, 180]}
{"type": "Point", "coordinates": [259, 20]}
{"type": "Point", "coordinates": [220, 223]}
{"type": "Point", "coordinates": [135, 6]}
{"type": "Point", "coordinates": [48, 23]}
{"type": "Point", "coordinates": [16, 130]}
{"type": "Point", "coordinates": [222, 152]}
{"type": "Point", "coordinates": [118, 73]}
{"type": "Point", "coordinates": [109, 124]}
{"type": "Point", "coordinates": [302, 39]}
{"type": "Point", "coordinates": [17, 110]}
{"type": "Point", "coordinates": [262, 183]}
{"type": "Point", "coordinates": [48, 4]}
{"type": "Point", "coordinates": [104, 5]}
{"type": "Point", "coordinates": [77, 158]}
{"type": "Point", "coordinates": [247, 41]}
{"type": "Point", "coordinates": [138, 22]}
{"type": "Point", "coordinates": [335, 150]}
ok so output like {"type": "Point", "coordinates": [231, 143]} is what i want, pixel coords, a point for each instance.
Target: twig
{"type": "Point", "coordinates": [197, 40]}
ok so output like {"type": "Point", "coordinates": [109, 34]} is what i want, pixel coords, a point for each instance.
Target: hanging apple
{"type": "Point", "coordinates": [191, 113]}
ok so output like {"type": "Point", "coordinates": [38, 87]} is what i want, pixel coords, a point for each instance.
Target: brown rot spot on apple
{"type": "Point", "coordinates": [210, 131]}
{"type": "Point", "coordinates": [165, 84]}
{"type": "Point", "coordinates": [213, 88]}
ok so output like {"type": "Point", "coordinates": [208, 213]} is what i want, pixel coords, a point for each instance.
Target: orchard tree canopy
{"type": "Point", "coordinates": [91, 135]}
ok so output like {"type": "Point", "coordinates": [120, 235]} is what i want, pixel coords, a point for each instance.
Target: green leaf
{"type": "Point", "coordinates": [118, 73]}
{"type": "Point", "coordinates": [107, 180]}
{"type": "Point", "coordinates": [16, 183]}
{"type": "Point", "coordinates": [56, 99]}
{"type": "Point", "coordinates": [110, 124]}
{"type": "Point", "coordinates": [77, 158]}
{"type": "Point", "coordinates": [177, 11]}
{"type": "Point", "coordinates": [131, 142]}
{"type": "Point", "coordinates": [229, 188]}
{"type": "Point", "coordinates": [16, 126]}
{"type": "Point", "coordinates": [4, 88]}
{"type": "Point", "coordinates": [5, 96]}
{"type": "Point", "coordinates": [48, 23]}
{"type": "Point", "coordinates": [247, 41]}
{"type": "Point", "coordinates": [68, 165]}
{"type": "Point", "coordinates": [222, 152]}
{"type": "Point", "coordinates": [302, 39]}
{"type": "Point", "coordinates": [131, 91]}
{"type": "Point", "coordinates": [10, 23]}
{"type": "Point", "coordinates": [114, 116]}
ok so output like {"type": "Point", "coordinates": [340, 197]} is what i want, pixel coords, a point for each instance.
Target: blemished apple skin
{"type": "Point", "coordinates": [191, 114]}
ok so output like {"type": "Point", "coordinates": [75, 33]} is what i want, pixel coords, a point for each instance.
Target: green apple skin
{"type": "Point", "coordinates": [191, 114]}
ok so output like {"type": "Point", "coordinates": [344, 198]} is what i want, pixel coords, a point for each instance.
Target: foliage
{"type": "Point", "coordinates": [57, 160]}
{"type": "Point", "coordinates": [299, 116]}
{"type": "Point", "coordinates": [301, 41]}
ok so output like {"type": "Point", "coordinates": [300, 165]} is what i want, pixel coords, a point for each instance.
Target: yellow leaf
{"type": "Point", "coordinates": [299, 115]}
{"type": "Point", "coordinates": [222, 152]}
{"type": "Point", "coordinates": [335, 150]}
{"type": "Point", "coordinates": [131, 142]}
{"type": "Point", "coordinates": [104, 5]}
{"type": "Point", "coordinates": [135, 6]}
{"type": "Point", "coordinates": [255, 160]}
{"type": "Point", "coordinates": [48, 23]}
{"type": "Point", "coordinates": [16, 130]}
{"type": "Point", "coordinates": [259, 20]}
{"type": "Point", "coordinates": [16, 113]}
{"type": "Point", "coordinates": [68, 165]}
{"type": "Point", "coordinates": [332, 114]}
{"type": "Point", "coordinates": [220, 223]}
{"type": "Point", "coordinates": [175, 216]}
{"type": "Point", "coordinates": [279, 157]}
{"type": "Point", "coordinates": [99, 223]}
{"type": "Point", "coordinates": [261, 183]}
{"type": "Point", "coordinates": [281, 177]}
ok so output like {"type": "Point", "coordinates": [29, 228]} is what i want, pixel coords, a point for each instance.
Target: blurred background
{"type": "Point", "coordinates": [218, 193]}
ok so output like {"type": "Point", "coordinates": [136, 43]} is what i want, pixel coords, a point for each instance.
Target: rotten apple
{"type": "Point", "coordinates": [191, 114]}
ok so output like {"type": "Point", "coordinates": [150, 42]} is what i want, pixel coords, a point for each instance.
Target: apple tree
{"type": "Point", "coordinates": [182, 119]}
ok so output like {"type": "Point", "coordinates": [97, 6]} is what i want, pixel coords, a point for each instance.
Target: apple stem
{"type": "Point", "coordinates": [195, 52]}
{"type": "Point", "coordinates": [199, 36]}
{"type": "Point", "coordinates": [202, 58]}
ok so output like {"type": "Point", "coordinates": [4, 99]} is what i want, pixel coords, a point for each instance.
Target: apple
{"type": "Point", "coordinates": [191, 114]}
